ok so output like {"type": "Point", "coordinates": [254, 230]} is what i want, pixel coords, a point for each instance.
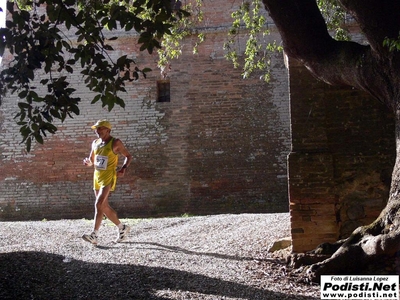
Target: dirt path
{"type": "Point", "coordinates": [208, 257]}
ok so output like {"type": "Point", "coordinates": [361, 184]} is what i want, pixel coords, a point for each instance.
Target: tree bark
{"type": "Point", "coordinates": [371, 68]}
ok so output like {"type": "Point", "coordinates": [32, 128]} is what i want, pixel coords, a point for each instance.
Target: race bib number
{"type": "Point", "coordinates": [100, 162]}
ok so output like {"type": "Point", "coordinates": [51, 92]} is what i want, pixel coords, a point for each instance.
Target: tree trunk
{"type": "Point", "coordinates": [372, 68]}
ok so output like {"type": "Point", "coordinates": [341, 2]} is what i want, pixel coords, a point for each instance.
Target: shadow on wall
{"type": "Point", "coordinates": [38, 275]}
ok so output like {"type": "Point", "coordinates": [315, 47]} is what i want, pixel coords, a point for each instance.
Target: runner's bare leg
{"type": "Point", "coordinates": [103, 208]}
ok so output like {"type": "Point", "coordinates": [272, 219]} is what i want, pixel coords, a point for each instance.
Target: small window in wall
{"type": "Point", "coordinates": [163, 90]}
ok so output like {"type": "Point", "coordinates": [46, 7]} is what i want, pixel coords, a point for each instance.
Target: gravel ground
{"type": "Point", "coordinates": [207, 257]}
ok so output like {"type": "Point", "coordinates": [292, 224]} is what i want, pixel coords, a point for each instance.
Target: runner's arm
{"type": "Point", "coordinates": [88, 161]}
{"type": "Point", "coordinates": [119, 148]}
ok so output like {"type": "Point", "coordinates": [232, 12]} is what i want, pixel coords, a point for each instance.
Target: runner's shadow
{"type": "Point", "coordinates": [40, 275]}
{"type": "Point", "coordinates": [161, 247]}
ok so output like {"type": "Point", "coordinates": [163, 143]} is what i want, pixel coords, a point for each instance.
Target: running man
{"type": "Point", "coordinates": [104, 158]}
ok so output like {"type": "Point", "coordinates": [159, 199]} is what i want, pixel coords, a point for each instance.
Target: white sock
{"type": "Point", "coordinates": [120, 226]}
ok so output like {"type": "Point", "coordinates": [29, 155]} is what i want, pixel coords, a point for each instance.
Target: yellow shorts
{"type": "Point", "coordinates": [104, 178]}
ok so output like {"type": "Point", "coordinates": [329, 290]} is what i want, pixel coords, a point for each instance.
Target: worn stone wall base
{"type": "Point", "coordinates": [340, 165]}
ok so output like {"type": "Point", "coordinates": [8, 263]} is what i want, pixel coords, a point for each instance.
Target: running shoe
{"type": "Point", "coordinates": [123, 233]}
{"type": "Point", "coordinates": [91, 238]}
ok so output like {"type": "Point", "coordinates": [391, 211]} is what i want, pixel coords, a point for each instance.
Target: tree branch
{"type": "Point", "coordinates": [306, 38]}
{"type": "Point", "coordinates": [378, 19]}
{"type": "Point", "coordinates": [302, 27]}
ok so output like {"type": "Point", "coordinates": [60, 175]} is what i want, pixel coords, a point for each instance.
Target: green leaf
{"type": "Point", "coordinates": [96, 98]}
{"type": "Point", "coordinates": [23, 94]}
{"type": "Point", "coordinates": [23, 105]}
{"type": "Point", "coordinates": [74, 109]}
{"type": "Point", "coordinates": [69, 69]}
{"type": "Point", "coordinates": [28, 144]}
{"type": "Point", "coordinates": [121, 61]}
{"type": "Point", "coordinates": [38, 138]}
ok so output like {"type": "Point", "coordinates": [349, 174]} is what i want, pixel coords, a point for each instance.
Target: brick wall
{"type": "Point", "coordinates": [219, 145]}
{"type": "Point", "coordinates": [343, 151]}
